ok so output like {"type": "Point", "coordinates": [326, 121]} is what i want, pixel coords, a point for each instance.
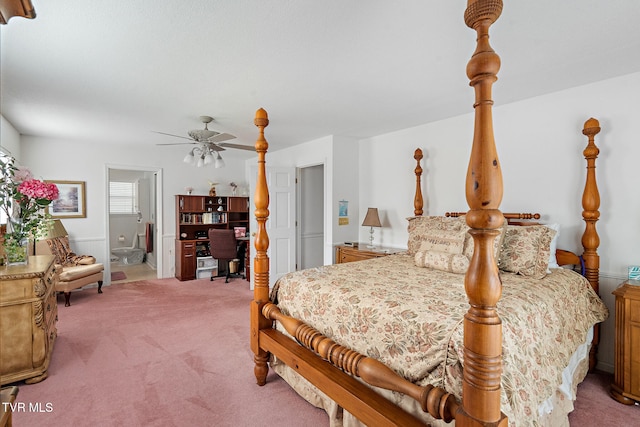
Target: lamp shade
{"type": "Point", "coordinates": [372, 219]}
{"type": "Point", "coordinates": [57, 230]}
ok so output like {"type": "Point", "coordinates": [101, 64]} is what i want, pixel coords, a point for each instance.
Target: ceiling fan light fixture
{"type": "Point", "coordinates": [201, 135]}
{"type": "Point", "coordinates": [189, 157]}
{"type": "Point", "coordinates": [200, 161]}
{"type": "Point", "coordinates": [208, 158]}
{"type": "Point", "coordinates": [219, 163]}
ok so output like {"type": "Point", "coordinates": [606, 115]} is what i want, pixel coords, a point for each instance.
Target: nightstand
{"type": "Point", "coordinates": [361, 252]}
{"type": "Point", "coordinates": [626, 381]}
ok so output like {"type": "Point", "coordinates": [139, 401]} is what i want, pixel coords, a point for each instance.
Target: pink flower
{"type": "Point", "coordinates": [37, 189]}
{"type": "Point", "coordinates": [22, 174]}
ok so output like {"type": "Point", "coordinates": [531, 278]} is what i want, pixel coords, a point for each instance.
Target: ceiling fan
{"type": "Point", "coordinates": [208, 143]}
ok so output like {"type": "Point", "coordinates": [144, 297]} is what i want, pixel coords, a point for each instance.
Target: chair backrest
{"type": "Point", "coordinates": [222, 244]}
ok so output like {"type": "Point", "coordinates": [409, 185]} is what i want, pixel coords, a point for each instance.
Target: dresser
{"type": "Point", "coordinates": [346, 253]}
{"type": "Point", "coordinates": [28, 316]}
{"type": "Point", "coordinates": [626, 380]}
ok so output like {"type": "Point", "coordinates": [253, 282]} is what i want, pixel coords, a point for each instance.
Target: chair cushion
{"type": "Point", "coordinates": [71, 273]}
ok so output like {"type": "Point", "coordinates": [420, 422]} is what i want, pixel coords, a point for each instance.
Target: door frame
{"type": "Point", "coordinates": [159, 232]}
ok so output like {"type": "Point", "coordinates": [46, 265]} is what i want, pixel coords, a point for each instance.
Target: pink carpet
{"type": "Point", "coordinates": [143, 354]}
{"type": "Point", "coordinates": [594, 407]}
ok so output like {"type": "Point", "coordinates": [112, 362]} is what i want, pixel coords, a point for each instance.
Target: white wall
{"type": "Point", "coordinates": [9, 138]}
{"type": "Point", "coordinates": [540, 146]}
{"type": "Point", "coordinates": [86, 161]}
{"type": "Point", "coordinates": [539, 143]}
{"type": "Point", "coordinates": [339, 155]}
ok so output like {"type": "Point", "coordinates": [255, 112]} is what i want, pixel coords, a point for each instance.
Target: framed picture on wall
{"type": "Point", "coordinates": [71, 202]}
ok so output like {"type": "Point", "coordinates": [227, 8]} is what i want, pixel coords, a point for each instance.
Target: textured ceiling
{"type": "Point", "coordinates": [98, 71]}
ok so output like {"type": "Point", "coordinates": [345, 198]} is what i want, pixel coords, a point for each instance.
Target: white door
{"type": "Point", "coordinates": [281, 223]}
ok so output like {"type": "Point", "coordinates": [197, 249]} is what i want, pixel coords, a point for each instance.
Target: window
{"type": "Point", "coordinates": [123, 197]}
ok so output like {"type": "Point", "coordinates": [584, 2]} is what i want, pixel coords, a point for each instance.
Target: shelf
{"type": "Point", "coordinates": [195, 215]}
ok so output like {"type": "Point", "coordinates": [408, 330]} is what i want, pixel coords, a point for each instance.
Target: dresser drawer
{"type": "Point", "coordinates": [28, 314]}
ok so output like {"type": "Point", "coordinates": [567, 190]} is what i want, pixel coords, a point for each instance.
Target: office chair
{"type": "Point", "coordinates": [224, 247]}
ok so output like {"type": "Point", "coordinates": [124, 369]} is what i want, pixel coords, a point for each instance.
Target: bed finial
{"type": "Point", "coordinates": [591, 214]}
{"type": "Point", "coordinates": [482, 325]}
{"type": "Point", "coordinates": [260, 260]}
{"type": "Point", "coordinates": [590, 205]}
{"type": "Point", "coordinates": [418, 203]}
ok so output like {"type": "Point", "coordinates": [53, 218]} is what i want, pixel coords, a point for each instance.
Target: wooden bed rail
{"type": "Point", "coordinates": [509, 216]}
{"type": "Point", "coordinates": [434, 400]}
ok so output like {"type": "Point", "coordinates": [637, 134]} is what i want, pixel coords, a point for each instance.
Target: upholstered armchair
{"type": "Point", "coordinates": [75, 271]}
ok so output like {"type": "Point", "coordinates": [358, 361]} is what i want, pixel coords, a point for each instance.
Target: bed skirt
{"type": "Point", "coordinates": [553, 412]}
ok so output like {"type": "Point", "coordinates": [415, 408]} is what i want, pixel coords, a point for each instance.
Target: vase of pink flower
{"type": "Point", "coordinates": [23, 199]}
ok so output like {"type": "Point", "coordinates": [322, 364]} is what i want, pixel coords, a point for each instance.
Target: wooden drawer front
{"type": "Point", "coordinates": [51, 308]}
{"type": "Point", "coordinates": [16, 290]}
{"type": "Point", "coordinates": [634, 355]}
{"type": "Point", "coordinates": [352, 256]}
{"type": "Point", "coordinates": [16, 338]}
{"type": "Point", "coordinates": [634, 311]}
{"type": "Point", "coordinates": [355, 254]}
{"type": "Point", "coordinates": [51, 277]}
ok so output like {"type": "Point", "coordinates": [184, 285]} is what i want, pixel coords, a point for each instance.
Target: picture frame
{"type": "Point", "coordinates": [71, 202]}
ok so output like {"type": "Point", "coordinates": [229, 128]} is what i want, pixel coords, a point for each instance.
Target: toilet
{"type": "Point", "coordinates": [131, 254]}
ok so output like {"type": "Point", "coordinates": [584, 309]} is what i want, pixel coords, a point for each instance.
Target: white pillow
{"type": "Point", "coordinates": [553, 262]}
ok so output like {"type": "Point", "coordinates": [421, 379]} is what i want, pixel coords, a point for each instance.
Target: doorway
{"type": "Point", "coordinates": [310, 217]}
{"type": "Point", "coordinates": [133, 226]}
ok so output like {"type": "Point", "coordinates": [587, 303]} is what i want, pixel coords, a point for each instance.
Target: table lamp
{"type": "Point", "coordinates": [371, 220]}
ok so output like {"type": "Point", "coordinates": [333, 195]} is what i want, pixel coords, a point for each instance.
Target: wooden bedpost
{"type": "Point", "coordinates": [260, 260]}
{"type": "Point", "coordinates": [417, 199]}
{"type": "Point", "coordinates": [590, 214]}
{"type": "Point", "coordinates": [482, 325]}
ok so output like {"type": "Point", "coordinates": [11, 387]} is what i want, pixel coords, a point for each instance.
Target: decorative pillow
{"type": "Point", "coordinates": [525, 250]}
{"type": "Point", "coordinates": [421, 227]}
{"type": "Point", "coordinates": [454, 263]}
{"type": "Point", "coordinates": [447, 241]}
{"type": "Point", "coordinates": [59, 247]}
{"type": "Point", "coordinates": [553, 262]}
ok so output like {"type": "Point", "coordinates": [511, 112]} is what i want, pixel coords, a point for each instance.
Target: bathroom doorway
{"type": "Point", "coordinates": [133, 223]}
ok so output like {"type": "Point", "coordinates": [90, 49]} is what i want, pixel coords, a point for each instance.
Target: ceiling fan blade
{"type": "Point", "coordinates": [221, 137]}
{"type": "Point", "coordinates": [175, 136]}
{"type": "Point", "coordinates": [179, 143]}
{"type": "Point", "coordinates": [238, 146]}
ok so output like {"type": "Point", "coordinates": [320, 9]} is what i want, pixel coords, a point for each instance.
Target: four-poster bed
{"type": "Point", "coordinates": [471, 364]}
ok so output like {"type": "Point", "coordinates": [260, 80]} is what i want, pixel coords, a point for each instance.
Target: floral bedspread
{"type": "Point", "coordinates": [410, 318]}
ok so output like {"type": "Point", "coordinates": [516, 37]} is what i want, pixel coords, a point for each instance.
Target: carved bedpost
{"type": "Point", "coordinates": [590, 214]}
{"type": "Point", "coordinates": [417, 199]}
{"type": "Point", "coordinates": [261, 260]}
{"type": "Point", "coordinates": [482, 325]}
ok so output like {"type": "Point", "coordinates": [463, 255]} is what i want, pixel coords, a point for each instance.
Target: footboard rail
{"type": "Point", "coordinates": [433, 400]}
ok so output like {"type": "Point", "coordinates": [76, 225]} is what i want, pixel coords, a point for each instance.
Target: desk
{"type": "Point", "coordinates": [246, 241]}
